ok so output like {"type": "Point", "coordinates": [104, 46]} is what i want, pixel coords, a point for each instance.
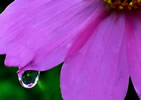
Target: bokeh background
{"type": "Point", "coordinates": [48, 86]}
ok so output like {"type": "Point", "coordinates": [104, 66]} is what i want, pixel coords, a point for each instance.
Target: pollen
{"type": "Point", "coordinates": [123, 5]}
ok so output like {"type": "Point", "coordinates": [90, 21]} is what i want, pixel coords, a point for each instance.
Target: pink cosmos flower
{"type": "Point", "coordinates": [100, 48]}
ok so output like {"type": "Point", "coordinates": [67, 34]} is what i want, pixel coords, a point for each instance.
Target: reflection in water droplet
{"type": "Point", "coordinates": [29, 79]}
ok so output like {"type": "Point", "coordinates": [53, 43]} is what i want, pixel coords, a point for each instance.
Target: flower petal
{"type": "Point", "coordinates": [134, 51]}
{"type": "Point", "coordinates": [98, 70]}
{"type": "Point", "coordinates": [37, 35]}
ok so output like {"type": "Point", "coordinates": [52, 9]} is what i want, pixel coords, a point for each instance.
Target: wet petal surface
{"type": "Point", "coordinates": [37, 35]}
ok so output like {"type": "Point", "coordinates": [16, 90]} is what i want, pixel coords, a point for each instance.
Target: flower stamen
{"type": "Point", "coordinates": [126, 5]}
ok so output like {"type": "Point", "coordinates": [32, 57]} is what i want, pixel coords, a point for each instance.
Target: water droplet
{"type": "Point", "coordinates": [29, 79]}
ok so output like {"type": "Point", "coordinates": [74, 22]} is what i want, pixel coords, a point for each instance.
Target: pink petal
{"type": "Point", "coordinates": [134, 51]}
{"type": "Point", "coordinates": [37, 35]}
{"type": "Point", "coordinates": [97, 70]}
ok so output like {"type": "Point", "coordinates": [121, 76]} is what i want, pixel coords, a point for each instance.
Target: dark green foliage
{"type": "Point", "coordinates": [47, 88]}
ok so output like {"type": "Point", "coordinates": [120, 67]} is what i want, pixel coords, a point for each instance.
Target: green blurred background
{"type": "Point", "coordinates": [47, 88]}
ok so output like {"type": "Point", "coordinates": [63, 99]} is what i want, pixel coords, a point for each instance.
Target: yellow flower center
{"type": "Point", "coordinates": [123, 5]}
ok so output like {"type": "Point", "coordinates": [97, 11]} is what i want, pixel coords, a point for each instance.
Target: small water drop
{"type": "Point", "coordinates": [29, 79]}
